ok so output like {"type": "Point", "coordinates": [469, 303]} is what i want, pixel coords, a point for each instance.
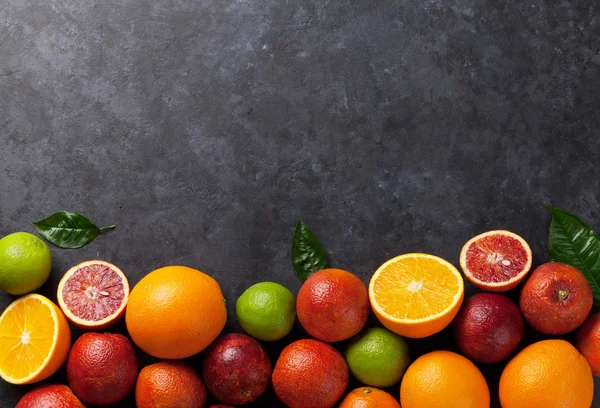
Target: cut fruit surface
{"type": "Point", "coordinates": [34, 340]}
{"type": "Point", "coordinates": [93, 294]}
{"type": "Point", "coordinates": [416, 295]}
{"type": "Point", "coordinates": [496, 261]}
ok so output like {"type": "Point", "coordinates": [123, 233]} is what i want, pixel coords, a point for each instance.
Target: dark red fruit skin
{"type": "Point", "coordinates": [333, 305]}
{"type": "Point", "coordinates": [236, 369]}
{"type": "Point", "coordinates": [50, 396]}
{"type": "Point", "coordinates": [102, 368]}
{"type": "Point", "coordinates": [310, 374]}
{"type": "Point", "coordinates": [488, 328]}
{"type": "Point", "coordinates": [556, 299]}
{"type": "Point", "coordinates": [588, 342]}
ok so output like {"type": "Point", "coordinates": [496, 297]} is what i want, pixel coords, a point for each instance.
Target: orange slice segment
{"type": "Point", "coordinates": [416, 295]}
{"type": "Point", "coordinates": [34, 340]}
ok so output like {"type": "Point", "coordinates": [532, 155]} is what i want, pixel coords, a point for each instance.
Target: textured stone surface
{"type": "Point", "coordinates": [205, 129]}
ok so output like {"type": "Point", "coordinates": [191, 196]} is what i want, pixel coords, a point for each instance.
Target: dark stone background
{"type": "Point", "coordinates": [205, 129]}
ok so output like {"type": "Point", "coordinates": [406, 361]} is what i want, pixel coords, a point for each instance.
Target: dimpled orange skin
{"type": "Point", "coordinates": [549, 373]}
{"type": "Point", "coordinates": [556, 299]}
{"type": "Point", "coordinates": [333, 305]}
{"type": "Point", "coordinates": [310, 374]}
{"type": "Point", "coordinates": [51, 395]}
{"type": "Point", "coordinates": [175, 312]}
{"type": "Point", "coordinates": [369, 397]}
{"type": "Point", "coordinates": [588, 342]}
{"type": "Point", "coordinates": [169, 384]}
{"type": "Point", "coordinates": [442, 379]}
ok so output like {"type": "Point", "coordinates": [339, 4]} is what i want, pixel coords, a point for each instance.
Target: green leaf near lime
{"type": "Point", "coordinates": [266, 311]}
{"type": "Point", "coordinates": [25, 263]}
{"type": "Point", "coordinates": [378, 357]}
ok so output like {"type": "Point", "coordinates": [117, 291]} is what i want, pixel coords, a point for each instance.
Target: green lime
{"type": "Point", "coordinates": [266, 311]}
{"type": "Point", "coordinates": [378, 357]}
{"type": "Point", "coordinates": [25, 263]}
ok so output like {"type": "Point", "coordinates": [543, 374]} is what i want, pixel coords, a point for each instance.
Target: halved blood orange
{"type": "Point", "coordinates": [93, 294]}
{"type": "Point", "coordinates": [416, 295]}
{"type": "Point", "coordinates": [496, 261]}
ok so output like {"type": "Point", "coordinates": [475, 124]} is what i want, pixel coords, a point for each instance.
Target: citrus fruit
{"type": "Point", "coordinates": [333, 305]}
{"type": "Point", "coordinates": [236, 369]}
{"type": "Point", "coordinates": [310, 374]}
{"type": "Point", "coordinates": [50, 396]}
{"type": "Point", "coordinates": [102, 368]}
{"type": "Point", "coordinates": [488, 327]}
{"type": "Point", "coordinates": [175, 312]}
{"type": "Point", "coordinates": [93, 294]}
{"type": "Point", "coordinates": [34, 340]}
{"type": "Point", "coordinates": [377, 357]}
{"type": "Point", "coordinates": [556, 299]}
{"type": "Point", "coordinates": [369, 397]}
{"type": "Point", "coordinates": [25, 263]}
{"type": "Point", "coordinates": [266, 311]}
{"type": "Point", "coordinates": [588, 342]}
{"type": "Point", "coordinates": [496, 261]}
{"type": "Point", "coordinates": [169, 384]}
{"type": "Point", "coordinates": [444, 379]}
{"type": "Point", "coordinates": [549, 373]}
{"type": "Point", "coordinates": [416, 295]}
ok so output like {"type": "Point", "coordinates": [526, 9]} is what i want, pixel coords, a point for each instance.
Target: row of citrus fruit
{"type": "Point", "coordinates": [176, 312]}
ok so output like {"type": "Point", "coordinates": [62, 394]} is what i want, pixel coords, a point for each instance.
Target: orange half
{"type": "Point", "coordinates": [34, 340]}
{"type": "Point", "coordinates": [416, 295]}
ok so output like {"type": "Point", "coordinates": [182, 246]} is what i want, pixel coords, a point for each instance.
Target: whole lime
{"type": "Point", "coordinates": [25, 263]}
{"type": "Point", "coordinates": [378, 357]}
{"type": "Point", "coordinates": [266, 311]}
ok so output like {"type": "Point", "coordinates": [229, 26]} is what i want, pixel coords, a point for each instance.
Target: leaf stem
{"type": "Point", "coordinates": [108, 228]}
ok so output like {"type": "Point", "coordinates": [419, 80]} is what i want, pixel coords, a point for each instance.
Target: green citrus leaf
{"type": "Point", "coordinates": [68, 229]}
{"type": "Point", "coordinates": [572, 242]}
{"type": "Point", "coordinates": [308, 255]}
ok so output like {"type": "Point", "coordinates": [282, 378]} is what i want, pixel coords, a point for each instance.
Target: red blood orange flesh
{"type": "Point", "coordinates": [93, 294]}
{"type": "Point", "coordinates": [496, 261]}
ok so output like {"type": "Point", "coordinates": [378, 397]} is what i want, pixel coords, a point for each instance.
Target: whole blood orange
{"type": "Point", "coordinates": [175, 312]}
{"type": "Point", "coordinates": [416, 295]}
{"type": "Point", "coordinates": [496, 261]}
{"type": "Point", "coordinates": [169, 384]}
{"type": "Point", "coordinates": [310, 374]}
{"type": "Point", "coordinates": [34, 340]}
{"type": "Point", "coordinates": [237, 369]}
{"type": "Point", "coordinates": [333, 305]}
{"type": "Point", "coordinates": [93, 294]}
{"type": "Point", "coordinates": [102, 368]}
{"type": "Point", "coordinates": [444, 379]}
{"type": "Point", "coordinates": [588, 342]}
{"type": "Point", "coordinates": [556, 299]}
{"type": "Point", "coordinates": [488, 328]}
{"type": "Point", "coordinates": [369, 397]}
{"type": "Point", "coordinates": [549, 373]}
{"type": "Point", "coordinates": [50, 396]}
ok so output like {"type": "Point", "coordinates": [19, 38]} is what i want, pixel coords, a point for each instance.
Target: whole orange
{"type": "Point", "coordinates": [588, 342]}
{"type": "Point", "coordinates": [102, 368]}
{"type": "Point", "coordinates": [310, 374]}
{"type": "Point", "coordinates": [50, 395]}
{"type": "Point", "coordinates": [333, 305]}
{"type": "Point", "coordinates": [169, 384]}
{"type": "Point", "coordinates": [444, 379]}
{"type": "Point", "coordinates": [549, 373]}
{"type": "Point", "coordinates": [369, 397]}
{"type": "Point", "coordinates": [175, 312]}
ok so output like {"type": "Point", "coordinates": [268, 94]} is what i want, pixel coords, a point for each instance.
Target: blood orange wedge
{"type": "Point", "coordinates": [34, 340]}
{"type": "Point", "coordinates": [416, 295]}
{"type": "Point", "coordinates": [496, 261]}
{"type": "Point", "coordinates": [93, 294]}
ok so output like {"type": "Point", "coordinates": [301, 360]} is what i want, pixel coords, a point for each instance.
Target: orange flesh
{"type": "Point", "coordinates": [415, 288]}
{"type": "Point", "coordinates": [26, 337]}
